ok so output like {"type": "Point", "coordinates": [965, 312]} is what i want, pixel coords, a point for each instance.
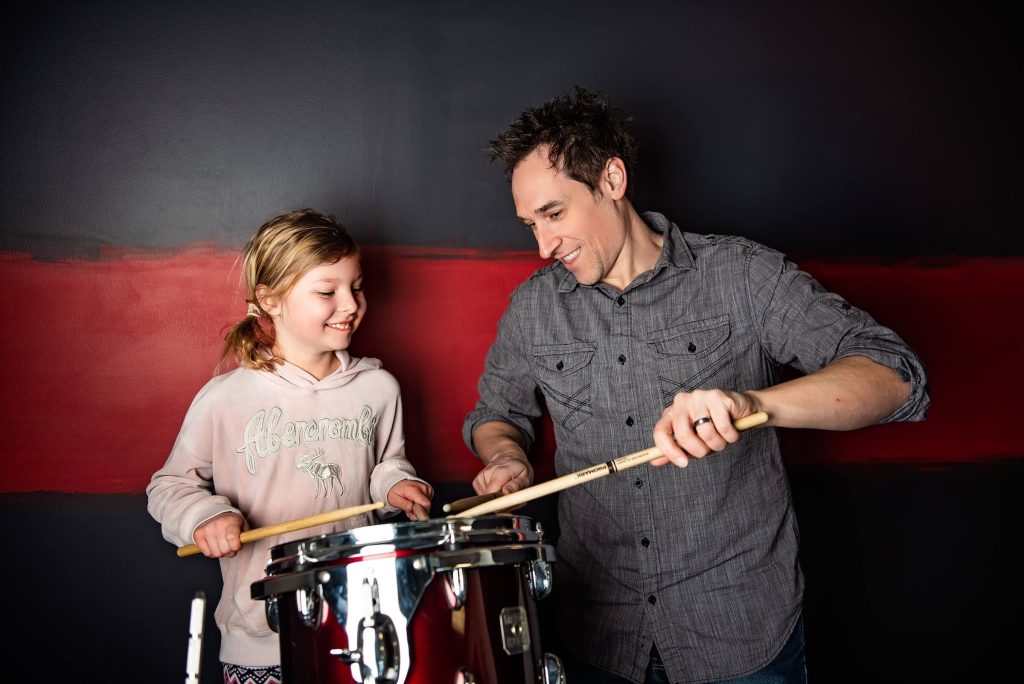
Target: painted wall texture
{"type": "Point", "coordinates": [141, 147]}
{"type": "Point", "coordinates": [877, 144]}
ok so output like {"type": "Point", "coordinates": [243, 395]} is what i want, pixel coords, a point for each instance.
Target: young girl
{"type": "Point", "coordinates": [300, 428]}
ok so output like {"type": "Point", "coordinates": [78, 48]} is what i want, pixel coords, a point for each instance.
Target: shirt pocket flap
{"type": "Point", "coordinates": [695, 339]}
{"type": "Point", "coordinates": [563, 359]}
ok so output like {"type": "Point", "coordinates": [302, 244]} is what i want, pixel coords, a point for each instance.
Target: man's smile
{"type": "Point", "coordinates": [571, 256]}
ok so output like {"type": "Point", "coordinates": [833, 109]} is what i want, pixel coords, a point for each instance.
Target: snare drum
{"type": "Point", "coordinates": [429, 602]}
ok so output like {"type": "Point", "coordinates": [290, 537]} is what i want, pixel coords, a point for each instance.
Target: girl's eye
{"type": "Point", "coordinates": [326, 294]}
{"type": "Point", "coordinates": [356, 290]}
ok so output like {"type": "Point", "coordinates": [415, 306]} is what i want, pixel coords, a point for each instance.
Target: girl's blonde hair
{"type": "Point", "coordinates": [276, 256]}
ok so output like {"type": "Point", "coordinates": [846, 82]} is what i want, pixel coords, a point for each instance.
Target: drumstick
{"type": "Point", "coordinates": [460, 505]}
{"type": "Point", "coordinates": [292, 525]}
{"type": "Point", "coordinates": [587, 474]}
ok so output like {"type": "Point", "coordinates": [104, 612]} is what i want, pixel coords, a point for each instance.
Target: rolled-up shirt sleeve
{"type": "Point", "coordinates": [507, 388]}
{"type": "Point", "coordinates": [805, 326]}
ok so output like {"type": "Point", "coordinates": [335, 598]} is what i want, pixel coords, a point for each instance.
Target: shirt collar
{"type": "Point", "coordinates": [675, 253]}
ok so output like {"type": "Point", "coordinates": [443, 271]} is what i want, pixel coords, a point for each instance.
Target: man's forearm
{"type": "Point", "coordinates": [496, 438]}
{"type": "Point", "coordinates": [850, 393]}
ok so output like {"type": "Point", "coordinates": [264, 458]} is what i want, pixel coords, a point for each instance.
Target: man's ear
{"type": "Point", "coordinates": [613, 179]}
{"type": "Point", "coordinates": [270, 303]}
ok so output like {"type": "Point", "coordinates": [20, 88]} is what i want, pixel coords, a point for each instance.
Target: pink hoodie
{"type": "Point", "coordinates": [275, 447]}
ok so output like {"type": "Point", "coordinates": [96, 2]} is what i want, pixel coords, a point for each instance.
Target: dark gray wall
{"type": "Point", "coordinates": [819, 128]}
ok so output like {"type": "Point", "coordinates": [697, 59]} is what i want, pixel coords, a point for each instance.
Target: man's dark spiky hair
{"type": "Point", "coordinates": [583, 133]}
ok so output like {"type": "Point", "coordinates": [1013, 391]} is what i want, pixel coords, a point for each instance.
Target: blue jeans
{"type": "Point", "coordinates": [787, 668]}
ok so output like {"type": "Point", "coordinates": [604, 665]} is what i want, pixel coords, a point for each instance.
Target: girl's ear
{"type": "Point", "coordinates": [268, 302]}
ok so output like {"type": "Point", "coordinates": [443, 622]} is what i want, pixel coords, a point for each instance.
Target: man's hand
{"type": "Point", "coordinates": [413, 497]}
{"type": "Point", "coordinates": [220, 536]}
{"type": "Point", "coordinates": [507, 472]}
{"type": "Point", "coordinates": [699, 423]}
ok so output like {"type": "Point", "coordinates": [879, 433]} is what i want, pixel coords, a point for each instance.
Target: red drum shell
{"type": "Point", "coordinates": [443, 642]}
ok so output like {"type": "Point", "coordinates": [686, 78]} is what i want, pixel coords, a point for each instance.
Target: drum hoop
{"type": "Point", "coordinates": [410, 536]}
{"type": "Point", "coordinates": [442, 561]}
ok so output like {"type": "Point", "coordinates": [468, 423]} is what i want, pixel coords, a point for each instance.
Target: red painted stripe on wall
{"type": "Point", "coordinates": [103, 357]}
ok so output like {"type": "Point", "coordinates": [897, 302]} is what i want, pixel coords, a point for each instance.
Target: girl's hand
{"type": "Point", "coordinates": [413, 497]}
{"type": "Point", "coordinates": [220, 536]}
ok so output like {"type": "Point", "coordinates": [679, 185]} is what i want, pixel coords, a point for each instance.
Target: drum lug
{"type": "Point", "coordinates": [539, 579]}
{"type": "Point", "coordinates": [554, 672]}
{"type": "Point", "coordinates": [379, 664]}
{"type": "Point", "coordinates": [515, 637]}
{"type": "Point", "coordinates": [273, 614]}
{"type": "Point", "coordinates": [455, 582]}
{"type": "Point", "coordinates": [310, 604]}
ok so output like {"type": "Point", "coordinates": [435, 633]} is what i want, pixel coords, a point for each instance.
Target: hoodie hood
{"type": "Point", "coordinates": [289, 375]}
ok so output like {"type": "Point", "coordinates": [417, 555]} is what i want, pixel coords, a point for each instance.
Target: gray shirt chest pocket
{"type": "Point", "coordinates": [691, 355]}
{"type": "Point", "coordinates": [563, 372]}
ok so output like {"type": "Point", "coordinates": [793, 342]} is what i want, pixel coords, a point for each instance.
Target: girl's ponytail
{"type": "Point", "coordinates": [249, 343]}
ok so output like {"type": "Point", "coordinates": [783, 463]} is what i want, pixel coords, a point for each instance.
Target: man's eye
{"type": "Point", "coordinates": [555, 215]}
{"type": "Point", "coordinates": [531, 226]}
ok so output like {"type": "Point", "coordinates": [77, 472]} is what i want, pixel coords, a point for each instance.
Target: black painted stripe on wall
{"type": "Point", "coordinates": [912, 575]}
{"type": "Point", "coordinates": [844, 128]}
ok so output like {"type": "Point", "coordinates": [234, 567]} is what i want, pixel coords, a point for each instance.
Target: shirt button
{"type": "Point", "coordinates": [621, 300]}
{"type": "Point", "coordinates": [692, 348]}
{"type": "Point", "coordinates": [559, 365]}
{"type": "Point", "coordinates": [645, 542]}
{"type": "Point", "coordinates": [629, 421]}
{"type": "Point", "coordinates": [639, 483]}
{"type": "Point", "coordinates": [622, 358]}
{"type": "Point", "coordinates": [652, 599]}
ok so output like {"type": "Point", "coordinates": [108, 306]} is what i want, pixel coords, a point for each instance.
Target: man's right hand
{"type": "Point", "coordinates": [507, 472]}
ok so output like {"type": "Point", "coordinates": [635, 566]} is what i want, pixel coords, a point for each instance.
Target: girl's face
{"type": "Point", "coordinates": [319, 314]}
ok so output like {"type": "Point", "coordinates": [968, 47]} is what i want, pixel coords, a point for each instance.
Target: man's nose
{"type": "Point", "coordinates": [547, 241]}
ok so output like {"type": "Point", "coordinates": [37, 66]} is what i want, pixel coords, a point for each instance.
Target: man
{"type": "Point", "coordinates": [639, 332]}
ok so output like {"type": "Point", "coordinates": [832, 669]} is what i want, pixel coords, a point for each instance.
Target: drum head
{"type": "Point", "coordinates": [411, 536]}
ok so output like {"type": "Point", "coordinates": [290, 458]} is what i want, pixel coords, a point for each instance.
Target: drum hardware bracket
{"type": "Point", "coordinates": [515, 637]}
{"type": "Point", "coordinates": [455, 582]}
{"type": "Point", "coordinates": [554, 671]}
{"type": "Point", "coordinates": [346, 656]}
{"type": "Point", "coordinates": [539, 579]}
{"type": "Point", "coordinates": [310, 605]}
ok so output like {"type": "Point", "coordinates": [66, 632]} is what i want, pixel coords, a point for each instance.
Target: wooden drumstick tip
{"type": "Point", "coordinates": [460, 505]}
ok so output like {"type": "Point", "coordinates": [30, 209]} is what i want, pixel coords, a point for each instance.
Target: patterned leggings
{"type": "Point", "coordinates": [239, 674]}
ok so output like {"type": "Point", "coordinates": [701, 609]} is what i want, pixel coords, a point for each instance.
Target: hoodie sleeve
{"type": "Point", "coordinates": [392, 466]}
{"type": "Point", "coordinates": [180, 495]}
